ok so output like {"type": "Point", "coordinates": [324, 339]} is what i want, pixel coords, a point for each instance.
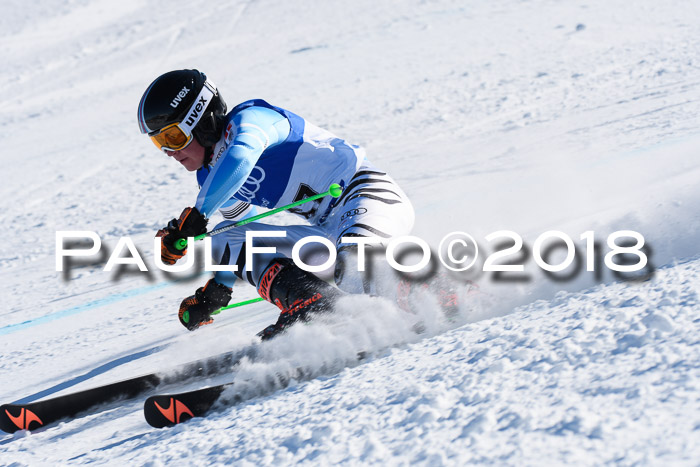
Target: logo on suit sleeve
{"type": "Point", "coordinates": [228, 134]}
{"type": "Point", "coordinates": [252, 185]}
{"type": "Point", "coordinates": [352, 212]}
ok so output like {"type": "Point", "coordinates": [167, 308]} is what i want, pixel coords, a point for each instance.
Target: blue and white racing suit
{"type": "Point", "coordinates": [270, 157]}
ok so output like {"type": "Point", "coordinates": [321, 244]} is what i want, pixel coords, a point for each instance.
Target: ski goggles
{"type": "Point", "coordinates": [177, 136]}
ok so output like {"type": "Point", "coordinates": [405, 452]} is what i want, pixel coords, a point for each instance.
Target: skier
{"type": "Point", "coordinates": [262, 155]}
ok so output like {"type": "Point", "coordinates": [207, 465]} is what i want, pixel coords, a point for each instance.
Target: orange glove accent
{"type": "Point", "coordinates": [190, 224]}
{"type": "Point", "coordinates": [165, 254]}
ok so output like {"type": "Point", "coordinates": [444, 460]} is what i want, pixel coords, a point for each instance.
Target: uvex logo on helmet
{"type": "Point", "coordinates": [180, 95]}
{"type": "Point", "coordinates": [192, 117]}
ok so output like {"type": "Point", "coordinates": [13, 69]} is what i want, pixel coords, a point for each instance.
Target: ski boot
{"type": "Point", "coordinates": [296, 292]}
{"type": "Point", "coordinates": [196, 310]}
{"type": "Point", "coordinates": [441, 286]}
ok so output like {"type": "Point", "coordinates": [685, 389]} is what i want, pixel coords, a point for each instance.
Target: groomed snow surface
{"type": "Point", "coordinates": [526, 116]}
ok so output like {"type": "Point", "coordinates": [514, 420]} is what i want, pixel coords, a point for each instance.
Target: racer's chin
{"type": "Point", "coordinates": [190, 164]}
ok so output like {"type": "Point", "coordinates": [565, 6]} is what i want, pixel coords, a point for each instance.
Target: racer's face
{"type": "Point", "coordinates": [191, 157]}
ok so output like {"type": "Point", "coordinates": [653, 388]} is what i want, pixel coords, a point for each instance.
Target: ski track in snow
{"type": "Point", "coordinates": [528, 116]}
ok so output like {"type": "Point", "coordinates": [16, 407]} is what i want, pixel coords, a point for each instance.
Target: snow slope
{"type": "Point", "coordinates": [527, 116]}
{"type": "Point", "coordinates": [608, 375]}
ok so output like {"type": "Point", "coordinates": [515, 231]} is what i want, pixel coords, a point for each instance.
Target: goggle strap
{"type": "Point", "coordinates": [196, 111]}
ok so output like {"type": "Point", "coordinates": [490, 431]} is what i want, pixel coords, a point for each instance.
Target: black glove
{"type": "Point", "coordinates": [286, 319]}
{"type": "Point", "coordinates": [196, 310]}
{"type": "Point", "coordinates": [269, 332]}
{"type": "Point", "coordinates": [190, 224]}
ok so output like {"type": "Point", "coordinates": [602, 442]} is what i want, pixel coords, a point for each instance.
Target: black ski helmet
{"type": "Point", "coordinates": [163, 103]}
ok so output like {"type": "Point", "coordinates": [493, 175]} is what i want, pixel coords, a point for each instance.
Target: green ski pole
{"type": "Point", "coordinates": [186, 315]}
{"type": "Point", "coordinates": [236, 305]}
{"type": "Point", "coordinates": [334, 190]}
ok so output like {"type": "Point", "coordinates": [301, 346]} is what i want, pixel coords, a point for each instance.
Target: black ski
{"type": "Point", "coordinates": [170, 409]}
{"type": "Point", "coordinates": [34, 415]}
{"type": "Point", "coordinates": [165, 410]}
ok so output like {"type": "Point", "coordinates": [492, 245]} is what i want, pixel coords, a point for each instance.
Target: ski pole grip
{"type": "Point", "coordinates": [181, 243]}
{"type": "Point", "coordinates": [335, 190]}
